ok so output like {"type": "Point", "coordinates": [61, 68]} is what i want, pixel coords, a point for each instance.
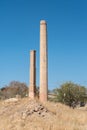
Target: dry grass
{"type": "Point", "coordinates": [61, 117]}
{"type": "Point", "coordinates": [68, 118]}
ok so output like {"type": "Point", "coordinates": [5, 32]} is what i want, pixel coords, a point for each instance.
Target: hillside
{"type": "Point", "coordinates": [26, 114]}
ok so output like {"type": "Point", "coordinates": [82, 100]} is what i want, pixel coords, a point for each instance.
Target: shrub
{"type": "Point", "coordinates": [70, 93]}
{"type": "Point", "coordinates": [13, 89]}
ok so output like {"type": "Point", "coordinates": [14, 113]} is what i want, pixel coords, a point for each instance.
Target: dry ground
{"type": "Point", "coordinates": [25, 114]}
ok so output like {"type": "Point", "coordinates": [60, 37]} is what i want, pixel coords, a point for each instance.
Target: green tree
{"type": "Point", "coordinates": [70, 93]}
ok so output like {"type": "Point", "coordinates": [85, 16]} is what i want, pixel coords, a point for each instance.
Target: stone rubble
{"type": "Point", "coordinates": [25, 114]}
{"type": "Point", "coordinates": [34, 108]}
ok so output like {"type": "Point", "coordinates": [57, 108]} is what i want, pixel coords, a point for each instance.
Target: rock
{"type": "Point", "coordinates": [36, 109]}
{"type": "Point", "coordinates": [39, 112]}
{"type": "Point", "coordinates": [45, 110]}
{"type": "Point", "coordinates": [11, 100]}
{"type": "Point", "coordinates": [24, 115]}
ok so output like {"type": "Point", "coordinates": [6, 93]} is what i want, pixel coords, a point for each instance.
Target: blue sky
{"type": "Point", "coordinates": [67, 39]}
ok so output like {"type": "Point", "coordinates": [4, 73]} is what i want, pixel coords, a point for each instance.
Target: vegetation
{"type": "Point", "coordinates": [13, 89]}
{"type": "Point", "coordinates": [58, 117]}
{"type": "Point", "coordinates": [70, 94]}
